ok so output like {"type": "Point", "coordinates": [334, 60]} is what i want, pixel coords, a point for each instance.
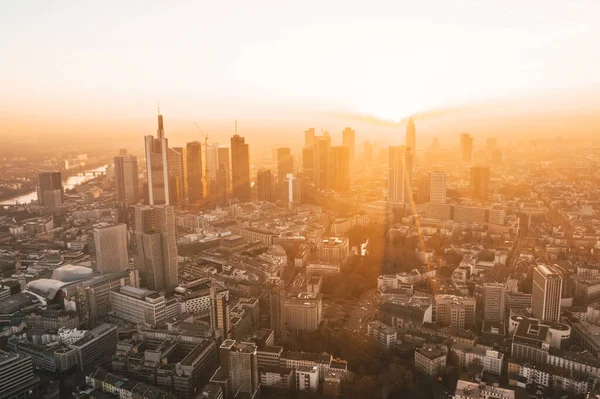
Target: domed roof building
{"type": "Point", "coordinates": [70, 273]}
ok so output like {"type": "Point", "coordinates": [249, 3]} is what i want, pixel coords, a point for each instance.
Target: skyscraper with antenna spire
{"type": "Point", "coordinates": [157, 165]}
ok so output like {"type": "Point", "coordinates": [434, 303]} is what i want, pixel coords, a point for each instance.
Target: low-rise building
{"type": "Point", "coordinates": [384, 335]}
{"type": "Point", "coordinates": [430, 360]}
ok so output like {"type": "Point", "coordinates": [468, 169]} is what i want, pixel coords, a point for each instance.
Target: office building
{"type": "Point", "coordinates": [467, 354]}
{"type": "Point", "coordinates": [109, 249]}
{"type": "Point", "coordinates": [308, 163]}
{"type": "Point", "coordinates": [126, 179]}
{"type": "Point", "coordinates": [309, 137]}
{"type": "Point", "coordinates": [454, 311]}
{"type": "Point", "coordinates": [16, 376]}
{"type": "Point", "coordinates": [466, 147]}
{"type": "Point", "coordinates": [224, 164]}
{"type": "Point", "coordinates": [285, 163]}
{"type": "Point", "coordinates": [95, 344]}
{"type": "Point", "coordinates": [437, 188]}
{"type": "Point", "coordinates": [381, 333]}
{"type": "Point", "coordinates": [340, 169]}
{"type": "Point", "coordinates": [157, 168]}
{"type": "Point", "coordinates": [276, 377]}
{"type": "Point", "coordinates": [50, 191]}
{"type": "Point", "coordinates": [238, 371]}
{"type": "Point", "coordinates": [546, 293]}
{"type": "Point", "coordinates": [220, 311]}
{"type": "Point", "coordinates": [307, 378]}
{"type": "Point", "coordinates": [139, 305]}
{"type": "Point", "coordinates": [321, 162]}
{"type": "Point", "coordinates": [494, 302]}
{"type": "Point", "coordinates": [303, 312]}
{"type": "Point", "coordinates": [430, 360]}
{"type": "Point", "coordinates": [480, 390]}
{"type": "Point", "coordinates": [177, 160]}
{"type": "Point", "coordinates": [195, 172]}
{"type": "Point", "coordinates": [272, 305]}
{"type": "Point", "coordinates": [240, 168]}
{"type": "Point", "coordinates": [264, 185]}
{"type": "Point", "coordinates": [411, 136]}
{"type": "Point", "coordinates": [333, 249]}
{"type": "Point", "coordinates": [399, 175]}
{"type": "Point", "coordinates": [164, 222]}
{"type": "Point", "coordinates": [349, 141]}
{"type": "Point", "coordinates": [292, 189]}
{"type": "Point", "coordinates": [480, 182]}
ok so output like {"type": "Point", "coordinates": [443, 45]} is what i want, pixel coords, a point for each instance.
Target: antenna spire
{"type": "Point", "coordinates": [236, 126]}
{"type": "Point", "coordinates": [158, 105]}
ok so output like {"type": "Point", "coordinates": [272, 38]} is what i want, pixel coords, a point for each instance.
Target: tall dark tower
{"type": "Point", "coordinates": [264, 185]}
{"type": "Point", "coordinates": [240, 167]}
{"type": "Point", "coordinates": [285, 163]}
{"type": "Point", "coordinates": [157, 167]}
{"type": "Point", "coordinates": [194, 171]}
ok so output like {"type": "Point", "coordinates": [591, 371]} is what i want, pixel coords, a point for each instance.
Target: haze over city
{"type": "Point", "coordinates": [298, 200]}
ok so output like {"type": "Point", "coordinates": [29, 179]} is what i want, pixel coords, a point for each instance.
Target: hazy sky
{"type": "Point", "coordinates": [93, 60]}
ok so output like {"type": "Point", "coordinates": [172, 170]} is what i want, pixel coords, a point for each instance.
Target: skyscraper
{"type": "Point", "coordinates": [480, 182]}
{"type": "Point", "coordinates": [292, 189]}
{"type": "Point", "coordinates": [285, 163]}
{"type": "Point", "coordinates": [50, 191]}
{"type": "Point", "coordinates": [109, 249]}
{"type": "Point", "coordinates": [240, 168]}
{"type": "Point", "coordinates": [399, 175]}
{"type": "Point", "coordinates": [239, 367]}
{"type": "Point", "coordinates": [157, 168]}
{"type": "Point", "coordinates": [348, 141]}
{"type": "Point", "coordinates": [219, 310]}
{"type": "Point", "coordinates": [309, 137]}
{"type": "Point", "coordinates": [194, 171]}
{"type": "Point", "coordinates": [437, 188]}
{"type": "Point", "coordinates": [126, 179]}
{"type": "Point", "coordinates": [154, 247]}
{"type": "Point", "coordinates": [272, 302]}
{"type": "Point", "coordinates": [546, 293]}
{"type": "Point", "coordinates": [321, 162]}
{"type": "Point", "coordinates": [411, 136]}
{"type": "Point", "coordinates": [178, 167]}
{"type": "Point", "coordinates": [264, 185]}
{"type": "Point", "coordinates": [308, 165]}
{"type": "Point", "coordinates": [493, 301]}
{"type": "Point", "coordinates": [340, 168]}
{"type": "Point", "coordinates": [466, 147]}
{"type": "Point", "coordinates": [225, 164]}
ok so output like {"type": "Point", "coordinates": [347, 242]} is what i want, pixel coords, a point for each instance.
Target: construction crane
{"type": "Point", "coordinates": [205, 185]}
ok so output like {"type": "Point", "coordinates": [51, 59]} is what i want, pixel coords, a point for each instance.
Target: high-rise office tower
{"type": "Point", "coordinates": [195, 171]}
{"type": "Point", "coordinates": [16, 376]}
{"type": "Point", "coordinates": [292, 189]}
{"type": "Point", "coordinates": [492, 144]}
{"type": "Point", "coordinates": [264, 185]}
{"type": "Point", "coordinates": [220, 311]}
{"type": "Point", "coordinates": [309, 137]}
{"type": "Point", "coordinates": [126, 179]}
{"type": "Point", "coordinates": [321, 162]}
{"type": "Point", "coordinates": [348, 141]}
{"type": "Point", "coordinates": [212, 165]}
{"type": "Point", "coordinates": [368, 153]}
{"type": "Point", "coordinates": [225, 164]}
{"type": "Point", "coordinates": [240, 168]}
{"type": "Point", "coordinates": [466, 147]}
{"type": "Point", "coordinates": [109, 249]}
{"type": "Point", "coordinates": [239, 367]}
{"type": "Point", "coordinates": [493, 301]}
{"type": "Point", "coordinates": [480, 182]}
{"type": "Point", "coordinates": [399, 175]}
{"type": "Point", "coordinates": [546, 293]}
{"type": "Point", "coordinates": [437, 188]}
{"type": "Point", "coordinates": [272, 302]}
{"type": "Point", "coordinates": [157, 168]}
{"type": "Point", "coordinates": [177, 159]}
{"type": "Point", "coordinates": [154, 247]}
{"type": "Point", "coordinates": [411, 136]}
{"type": "Point", "coordinates": [308, 164]}
{"type": "Point", "coordinates": [222, 178]}
{"type": "Point", "coordinates": [50, 191]}
{"type": "Point", "coordinates": [340, 168]}
{"type": "Point", "coordinates": [285, 163]}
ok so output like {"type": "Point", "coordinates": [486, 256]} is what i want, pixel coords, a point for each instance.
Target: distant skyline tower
{"type": "Point", "coordinates": [308, 162]}
{"type": "Point", "coordinates": [195, 171]}
{"type": "Point", "coordinates": [292, 189]}
{"type": "Point", "coordinates": [109, 249]}
{"type": "Point", "coordinates": [411, 136]}
{"type": "Point", "coordinates": [240, 168]}
{"type": "Point", "coordinates": [50, 191]}
{"type": "Point", "coordinates": [177, 166]}
{"type": "Point", "coordinates": [264, 185]}
{"type": "Point", "coordinates": [340, 168]}
{"type": "Point", "coordinates": [321, 161]}
{"type": "Point", "coordinates": [225, 164]}
{"type": "Point", "coordinates": [480, 182]}
{"type": "Point", "coordinates": [546, 293]}
{"type": "Point", "coordinates": [399, 175]}
{"type": "Point", "coordinates": [309, 137]}
{"type": "Point", "coordinates": [126, 178]}
{"type": "Point", "coordinates": [466, 147]}
{"type": "Point", "coordinates": [285, 163]}
{"type": "Point", "coordinates": [437, 188]}
{"type": "Point", "coordinates": [349, 141]}
{"type": "Point", "coordinates": [157, 165]}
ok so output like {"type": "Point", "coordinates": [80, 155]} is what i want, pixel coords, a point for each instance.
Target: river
{"type": "Point", "coordinates": [68, 183]}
